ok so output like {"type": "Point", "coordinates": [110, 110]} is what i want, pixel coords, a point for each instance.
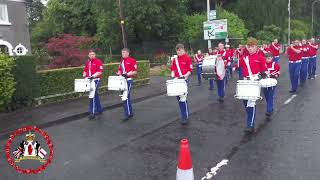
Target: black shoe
{"type": "Point", "coordinates": [292, 91]}
{"type": "Point", "coordinates": [130, 116]}
{"type": "Point", "coordinates": [221, 99]}
{"type": "Point", "coordinates": [313, 77]}
{"type": "Point", "coordinates": [210, 89]}
{"type": "Point", "coordinates": [184, 122]}
{"type": "Point", "coordinates": [91, 117]}
{"type": "Point", "coordinates": [99, 113]}
{"type": "Point", "coordinates": [309, 77]}
{"type": "Point", "coordinates": [126, 119]}
{"type": "Point", "coordinates": [249, 130]}
{"type": "Point", "coordinates": [269, 114]}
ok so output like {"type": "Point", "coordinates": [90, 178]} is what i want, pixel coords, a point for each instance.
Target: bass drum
{"type": "Point", "coordinates": [208, 67]}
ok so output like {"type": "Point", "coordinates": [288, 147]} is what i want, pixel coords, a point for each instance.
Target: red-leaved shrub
{"type": "Point", "coordinates": [68, 50]}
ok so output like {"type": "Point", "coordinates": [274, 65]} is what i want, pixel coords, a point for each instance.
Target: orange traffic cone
{"type": "Point", "coordinates": [185, 170]}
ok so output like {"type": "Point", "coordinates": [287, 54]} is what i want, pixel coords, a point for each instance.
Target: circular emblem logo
{"type": "Point", "coordinates": [30, 151]}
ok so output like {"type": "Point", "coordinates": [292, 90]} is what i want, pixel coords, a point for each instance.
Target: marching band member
{"type": "Point", "coordinates": [127, 69]}
{"type": "Point", "coordinates": [274, 72]}
{"type": "Point", "coordinates": [253, 64]}
{"type": "Point", "coordinates": [239, 53]}
{"type": "Point", "coordinates": [198, 58]}
{"type": "Point", "coordinates": [313, 48]}
{"type": "Point", "coordinates": [275, 50]}
{"type": "Point", "coordinates": [295, 56]}
{"type": "Point", "coordinates": [181, 68]}
{"type": "Point", "coordinates": [221, 73]}
{"type": "Point", "coordinates": [211, 52]}
{"type": "Point", "coordinates": [229, 56]}
{"type": "Point", "coordinates": [305, 60]}
{"type": "Point", "coordinates": [265, 49]}
{"type": "Point", "coordinates": [93, 70]}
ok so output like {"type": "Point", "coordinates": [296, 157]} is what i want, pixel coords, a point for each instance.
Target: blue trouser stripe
{"type": "Point", "coordinates": [199, 71]}
{"type": "Point", "coordinates": [95, 105]}
{"type": "Point", "coordinates": [251, 115]}
{"type": "Point", "coordinates": [211, 83]}
{"type": "Point", "coordinates": [312, 66]}
{"type": "Point", "coordinates": [269, 95]}
{"type": "Point", "coordinates": [221, 87]}
{"type": "Point", "coordinates": [240, 73]}
{"type": "Point", "coordinates": [184, 108]}
{"type": "Point", "coordinates": [294, 71]}
{"type": "Point", "coordinates": [127, 106]}
{"type": "Point", "coordinates": [304, 70]}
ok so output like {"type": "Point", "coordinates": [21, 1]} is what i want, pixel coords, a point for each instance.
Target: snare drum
{"type": "Point", "coordinates": [176, 87]}
{"type": "Point", "coordinates": [248, 90]}
{"type": "Point", "coordinates": [116, 83]}
{"type": "Point", "coordinates": [82, 85]}
{"type": "Point", "coordinates": [269, 82]}
{"type": "Point", "coordinates": [208, 67]}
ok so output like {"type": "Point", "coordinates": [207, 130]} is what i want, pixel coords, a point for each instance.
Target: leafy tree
{"type": "Point", "coordinates": [269, 33]}
{"type": "Point", "coordinates": [299, 30]}
{"type": "Point", "coordinates": [34, 12]}
{"type": "Point", "coordinates": [236, 26]}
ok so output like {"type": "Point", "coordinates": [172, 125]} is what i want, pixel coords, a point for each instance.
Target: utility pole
{"type": "Point", "coordinates": [289, 22]}
{"type": "Point", "coordinates": [208, 19]}
{"type": "Point", "coordinates": [208, 15]}
{"type": "Point", "coordinates": [124, 41]}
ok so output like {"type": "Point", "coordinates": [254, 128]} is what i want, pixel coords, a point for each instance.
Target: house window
{"type": "Point", "coordinates": [20, 50]}
{"type": "Point", "coordinates": [4, 19]}
{"type": "Point", "coordinates": [4, 49]}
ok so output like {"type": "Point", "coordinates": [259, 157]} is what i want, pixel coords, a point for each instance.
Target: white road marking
{"type": "Point", "coordinates": [213, 171]}
{"type": "Point", "coordinates": [290, 99]}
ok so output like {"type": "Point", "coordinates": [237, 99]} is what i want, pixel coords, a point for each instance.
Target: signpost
{"type": "Point", "coordinates": [216, 29]}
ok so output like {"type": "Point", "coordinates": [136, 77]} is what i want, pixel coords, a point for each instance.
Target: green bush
{"type": "Point", "coordinates": [27, 85]}
{"type": "Point", "coordinates": [7, 84]}
{"type": "Point", "coordinates": [60, 81]}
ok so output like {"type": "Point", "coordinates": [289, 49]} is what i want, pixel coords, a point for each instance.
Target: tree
{"type": "Point", "coordinates": [236, 26]}
{"type": "Point", "coordinates": [34, 12]}
{"type": "Point", "coordinates": [269, 33]}
{"type": "Point", "coordinates": [68, 50]}
{"type": "Point", "coordinates": [299, 30]}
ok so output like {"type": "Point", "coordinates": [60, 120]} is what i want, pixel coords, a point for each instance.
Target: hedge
{"type": "Point", "coordinates": [7, 84]}
{"type": "Point", "coordinates": [27, 86]}
{"type": "Point", "coordinates": [60, 82]}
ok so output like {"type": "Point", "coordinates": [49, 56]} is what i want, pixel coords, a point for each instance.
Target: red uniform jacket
{"type": "Point", "coordinates": [225, 56]}
{"type": "Point", "coordinates": [198, 58]}
{"type": "Point", "coordinates": [273, 69]}
{"type": "Point", "coordinates": [257, 64]}
{"type": "Point", "coordinates": [305, 50]}
{"type": "Point", "coordinates": [92, 66]}
{"type": "Point", "coordinates": [126, 65]}
{"type": "Point", "coordinates": [312, 50]}
{"type": "Point", "coordinates": [275, 49]}
{"type": "Point", "coordinates": [293, 56]}
{"type": "Point", "coordinates": [266, 50]}
{"type": "Point", "coordinates": [185, 64]}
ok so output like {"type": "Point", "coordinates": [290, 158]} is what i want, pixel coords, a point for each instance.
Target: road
{"type": "Point", "coordinates": [146, 147]}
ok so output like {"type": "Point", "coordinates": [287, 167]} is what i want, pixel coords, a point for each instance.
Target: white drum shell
{"type": "Point", "coordinates": [248, 90]}
{"type": "Point", "coordinates": [208, 67]}
{"type": "Point", "coordinates": [269, 82]}
{"type": "Point", "coordinates": [116, 83]}
{"type": "Point", "coordinates": [82, 85]}
{"type": "Point", "coordinates": [176, 87]}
